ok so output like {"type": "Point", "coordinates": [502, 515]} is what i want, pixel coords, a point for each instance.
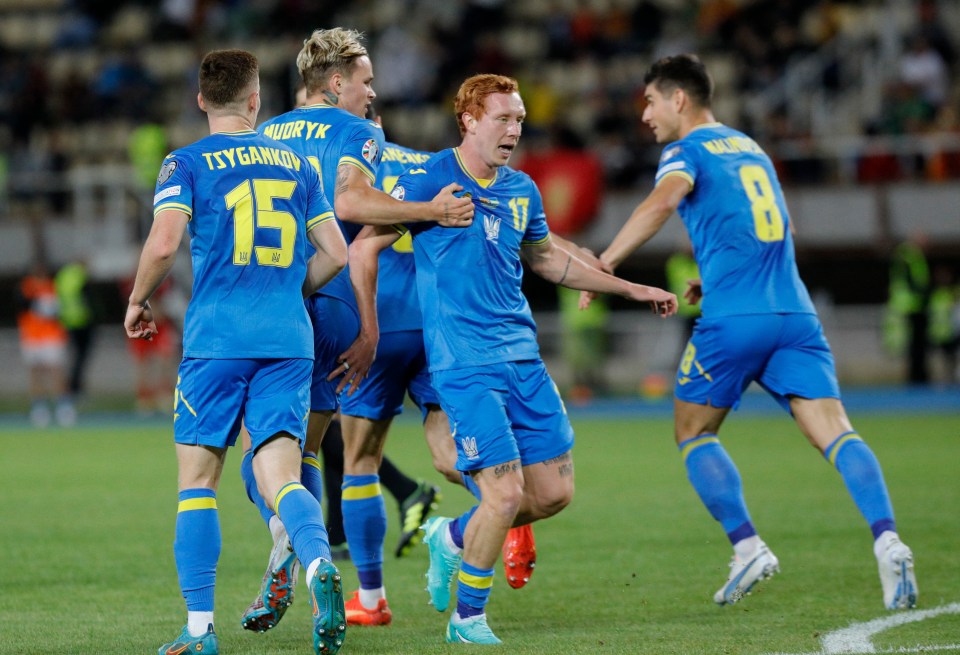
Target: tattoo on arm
{"type": "Point", "coordinates": [566, 269]}
{"type": "Point", "coordinates": [341, 184]}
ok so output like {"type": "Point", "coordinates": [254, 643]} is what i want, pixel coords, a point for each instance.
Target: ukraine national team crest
{"type": "Point", "coordinates": [491, 226]}
{"type": "Point", "coordinates": [370, 150]}
{"type": "Point", "coordinates": [166, 171]}
{"type": "Point", "coordinates": [470, 447]}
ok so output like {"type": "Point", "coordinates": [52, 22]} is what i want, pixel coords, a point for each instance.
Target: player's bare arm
{"type": "Point", "coordinates": [647, 219]}
{"type": "Point", "coordinates": [556, 265]}
{"type": "Point", "coordinates": [329, 259]}
{"type": "Point", "coordinates": [365, 250]}
{"type": "Point", "coordinates": [585, 254]}
{"type": "Point", "coordinates": [156, 260]}
{"type": "Point", "coordinates": [356, 200]}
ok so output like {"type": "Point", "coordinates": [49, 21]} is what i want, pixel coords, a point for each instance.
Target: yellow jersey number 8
{"type": "Point", "coordinates": [243, 199]}
{"type": "Point", "coordinates": [767, 219]}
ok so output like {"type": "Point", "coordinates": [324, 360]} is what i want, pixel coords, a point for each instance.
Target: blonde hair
{"type": "Point", "coordinates": [474, 91]}
{"type": "Point", "coordinates": [327, 52]}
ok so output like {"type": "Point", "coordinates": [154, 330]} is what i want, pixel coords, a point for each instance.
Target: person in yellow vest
{"type": "Point", "coordinates": [76, 315]}
{"type": "Point", "coordinates": [944, 332]}
{"type": "Point", "coordinates": [909, 301]}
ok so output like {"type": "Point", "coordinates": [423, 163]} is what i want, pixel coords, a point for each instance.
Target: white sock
{"type": "Point", "coordinates": [883, 542]}
{"type": "Point", "coordinates": [747, 547]}
{"type": "Point", "coordinates": [198, 622]}
{"type": "Point", "coordinates": [312, 568]}
{"type": "Point", "coordinates": [448, 540]}
{"type": "Point", "coordinates": [276, 528]}
{"type": "Point", "coordinates": [370, 597]}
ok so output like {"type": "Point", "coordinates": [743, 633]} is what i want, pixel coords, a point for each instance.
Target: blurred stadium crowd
{"type": "Point", "coordinates": [78, 75]}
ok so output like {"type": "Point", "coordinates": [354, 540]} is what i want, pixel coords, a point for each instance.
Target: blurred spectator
{"type": "Point", "coordinates": [909, 301]}
{"type": "Point", "coordinates": [43, 344]}
{"type": "Point", "coordinates": [124, 88]}
{"type": "Point", "coordinates": [923, 69]}
{"type": "Point", "coordinates": [945, 319]}
{"type": "Point", "coordinates": [76, 315]}
{"type": "Point", "coordinates": [930, 27]}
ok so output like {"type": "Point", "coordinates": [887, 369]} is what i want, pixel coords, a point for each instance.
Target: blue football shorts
{"type": "Point", "coordinates": [336, 325]}
{"type": "Point", "coordinates": [786, 354]}
{"type": "Point", "coordinates": [213, 395]}
{"type": "Point", "coordinates": [502, 412]}
{"type": "Point", "coordinates": [400, 366]}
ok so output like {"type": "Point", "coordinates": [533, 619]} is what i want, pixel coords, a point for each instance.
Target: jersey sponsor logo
{"type": "Point", "coordinates": [670, 153]}
{"type": "Point", "coordinates": [166, 171]}
{"type": "Point", "coordinates": [166, 193]}
{"type": "Point", "coordinates": [491, 226]}
{"type": "Point", "coordinates": [370, 150]}
{"type": "Point", "coordinates": [470, 447]}
{"type": "Point", "coordinates": [398, 192]}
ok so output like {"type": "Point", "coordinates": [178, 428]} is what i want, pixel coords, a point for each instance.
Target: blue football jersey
{"type": "Point", "coordinates": [738, 223]}
{"type": "Point", "coordinates": [328, 137]}
{"type": "Point", "coordinates": [474, 312]}
{"type": "Point", "coordinates": [398, 305]}
{"type": "Point", "coordinates": [251, 202]}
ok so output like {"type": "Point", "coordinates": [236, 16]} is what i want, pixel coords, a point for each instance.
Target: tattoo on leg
{"type": "Point", "coordinates": [502, 469]}
{"type": "Point", "coordinates": [564, 464]}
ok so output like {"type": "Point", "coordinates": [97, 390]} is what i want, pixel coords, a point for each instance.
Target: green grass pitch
{"type": "Point", "coordinates": [86, 531]}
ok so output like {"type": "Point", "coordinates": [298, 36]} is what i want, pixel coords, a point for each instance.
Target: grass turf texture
{"type": "Point", "coordinates": [630, 567]}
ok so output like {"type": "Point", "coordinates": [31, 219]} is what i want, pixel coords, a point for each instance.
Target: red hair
{"type": "Point", "coordinates": [474, 91]}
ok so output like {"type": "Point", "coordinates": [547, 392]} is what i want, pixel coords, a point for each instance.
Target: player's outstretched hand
{"type": "Point", "coordinates": [663, 303]}
{"type": "Point", "coordinates": [451, 210]}
{"type": "Point", "coordinates": [138, 322]}
{"type": "Point", "coordinates": [586, 297]}
{"type": "Point", "coordinates": [355, 363]}
{"type": "Point", "coordinates": [694, 291]}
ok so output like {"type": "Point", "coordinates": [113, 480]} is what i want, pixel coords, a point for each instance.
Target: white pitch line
{"type": "Point", "coordinates": [855, 639]}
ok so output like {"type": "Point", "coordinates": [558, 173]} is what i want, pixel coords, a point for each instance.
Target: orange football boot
{"type": "Point", "coordinates": [519, 555]}
{"type": "Point", "coordinates": [357, 614]}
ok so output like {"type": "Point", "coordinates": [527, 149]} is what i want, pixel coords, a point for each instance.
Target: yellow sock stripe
{"type": "Point", "coordinates": [362, 492]}
{"type": "Point", "coordinates": [314, 462]}
{"type": "Point", "coordinates": [475, 581]}
{"type": "Point", "coordinates": [690, 447]}
{"type": "Point", "coordinates": [196, 503]}
{"type": "Point", "coordinates": [287, 488]}
{"type": "Point", "coordinates": [186, 404]}
{"type": "Point", "coordinates": [853, 436]}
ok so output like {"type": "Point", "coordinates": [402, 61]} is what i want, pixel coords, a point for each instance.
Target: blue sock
{"type": "Point", "coordinates": [250, 482]}
{"type": "Point", "coordinates": [311, 475]}
{"type": "Point", "coordinates": [459, 525]}
{"type": "Point", "coordinates": [860, 470]}
{"type": "Point", "coordinates": [365, 524]}
{"type": "Point", "coordinates": [303, 519]}
{"type": "Point", "coordinates": [470, 484]}
{"type": "Point", "coordinates": [716, 480]}
{"type": "Point", "coordinates": [196, 547]}
{"type": "Point", "coordinates": [473, 590]}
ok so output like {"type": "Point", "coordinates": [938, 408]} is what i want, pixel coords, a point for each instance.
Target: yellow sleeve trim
{"type": "Point", "coordinates": [475, 581]}
{"type": "Point", "coordinates": [196, 503]}
{"type": "Point", "coordinates": [682, 174]}
{"type": "Point", "coordinates": [322, 218]}
{"type": "Point", "coordinates": [538, 242]}
{"type": "Point", "coordinates": [362, 493]}
{"type": "Point", "coordinates": [362, 165]}
{"type": "Point", "coordinates": [176, 206]}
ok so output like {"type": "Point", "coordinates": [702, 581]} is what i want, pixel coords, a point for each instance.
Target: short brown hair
{"type": "Point", "coordinates": [685, 72]}
{"type": "Point", "coordinates": [474, 91]}
{"type": "Point", "coordinates": [327, 52]}
{"type": "Point", "coordinates": [225, 76]}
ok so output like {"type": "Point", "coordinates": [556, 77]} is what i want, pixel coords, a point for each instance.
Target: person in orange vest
{"type": "Point", "coordinates": [43, 343]}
